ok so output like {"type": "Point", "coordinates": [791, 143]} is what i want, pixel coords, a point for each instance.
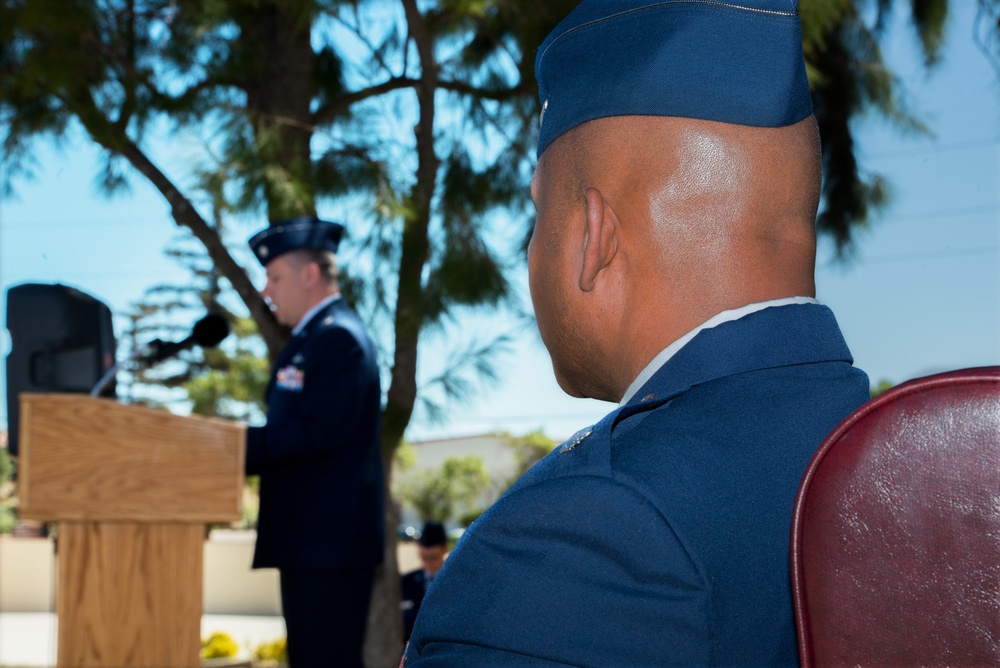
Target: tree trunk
{"type": "Point", "coordinates": [185, 215]}
{"type": "Point", "coordinates": [276, 47]}
{"type": "Point", "coordinates": [384, 640]}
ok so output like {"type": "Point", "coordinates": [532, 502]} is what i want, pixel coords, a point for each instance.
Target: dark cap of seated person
{"type": "Point", "coordinates": [433, 534]}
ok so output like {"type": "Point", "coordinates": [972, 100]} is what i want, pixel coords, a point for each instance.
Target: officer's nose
{"type": "Point", "coordinates": [266, 294]}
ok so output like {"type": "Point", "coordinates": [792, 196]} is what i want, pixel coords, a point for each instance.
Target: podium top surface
{"type": "Point", "coordinates": [90, 459]}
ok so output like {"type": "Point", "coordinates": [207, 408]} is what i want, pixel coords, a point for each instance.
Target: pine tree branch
{"type": "Point", "coordinates": [185, 215]}
{"type": "Point", "coordinates": [497, 94]}
{"type": "Point", "coordinates": [113, 138]}
{"type": "Point", "coordinates": [327, 112]}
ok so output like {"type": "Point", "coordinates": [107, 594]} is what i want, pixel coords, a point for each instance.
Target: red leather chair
{"type": "Point", "coordinates": [896, 531]}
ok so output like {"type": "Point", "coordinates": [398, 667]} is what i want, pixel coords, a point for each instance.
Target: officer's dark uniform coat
{"type": "Point", "coordinates": [318, 456]}
{"type": "Point", "coordinates": [413, 587]}
{"type": "Point", "coordinates": [660, 536]}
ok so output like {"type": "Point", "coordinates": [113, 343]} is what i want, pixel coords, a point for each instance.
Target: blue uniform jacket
{"type": "Point", "coordinates": [318, 456]}
{"type": "Point", "coordinates": [659, 538]}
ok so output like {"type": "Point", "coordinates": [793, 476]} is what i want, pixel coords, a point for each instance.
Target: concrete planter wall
{"type": "Point", "coordinates": [28, 575]}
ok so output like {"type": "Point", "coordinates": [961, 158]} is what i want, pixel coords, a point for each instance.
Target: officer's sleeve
{"type": "Point", "coordinates": [579, 570]}
{"type": "Point", "coordinates": [337, 388]}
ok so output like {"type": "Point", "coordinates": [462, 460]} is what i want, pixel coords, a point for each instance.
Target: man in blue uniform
{"type": "Point", "coordinates": [321, 520]}
{"type": "Point", "coordinates": [432, 548]}
{"type": "Point", "coordinates": [671, 270]}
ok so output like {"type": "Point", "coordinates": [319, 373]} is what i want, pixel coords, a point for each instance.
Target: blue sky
{"type": "Point", "coordinates": [921, 294]}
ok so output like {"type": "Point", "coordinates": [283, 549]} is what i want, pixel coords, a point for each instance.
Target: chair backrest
{"type": "Point", "coordinates": [895, 542]}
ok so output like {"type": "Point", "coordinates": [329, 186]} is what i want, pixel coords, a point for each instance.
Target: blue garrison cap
{"type": "Point", "coordinates": [293, 234]}
{"type": "Point", "coordinates": [737, 62]}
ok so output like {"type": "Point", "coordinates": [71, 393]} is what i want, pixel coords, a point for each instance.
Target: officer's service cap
{"type": "Point", "coordinates": [734, 61]}
{"type": "Point", "coordinates": [294, 234]}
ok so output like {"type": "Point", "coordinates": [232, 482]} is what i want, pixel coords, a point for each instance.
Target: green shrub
{"type": "Point", "coordinates": [219, 645]}
{"type": "Point", "coordinates": [7, 466]}
{"type": "Point", "coordinates": [8, 498]}
{"type": "Point", "coordinates": [7, 520]}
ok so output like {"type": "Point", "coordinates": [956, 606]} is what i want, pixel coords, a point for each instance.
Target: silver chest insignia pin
{"type": "Point", "coordinates": [575, 440]}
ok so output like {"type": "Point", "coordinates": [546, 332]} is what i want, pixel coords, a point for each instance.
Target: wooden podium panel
{"type": "Point", "coordinates": [132, 489]}
{"type": "Point", "coordinates": [101, 460]}
{"type": "Point", "coordinates": [129, 595]}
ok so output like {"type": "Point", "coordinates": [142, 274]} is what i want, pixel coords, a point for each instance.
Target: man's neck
{"type": "Point", "coordinates": [722, 317]}
{"type": "Point", "coordinates": [317, 306]}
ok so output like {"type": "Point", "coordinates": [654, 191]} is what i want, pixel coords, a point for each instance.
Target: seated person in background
{"type": "Point", "coordinates": [671, 270]}
{"type": "Point", "coordinates": [432, 546]}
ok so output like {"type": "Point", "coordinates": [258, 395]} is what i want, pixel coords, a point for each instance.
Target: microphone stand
{"type": "Point", "coordinates": [110, 373]}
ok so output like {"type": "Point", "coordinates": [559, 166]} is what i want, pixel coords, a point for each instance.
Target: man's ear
{"type": "Point", "coordinates": [311, 270]}
{"type": "Point", "coordinates": [600, 238]}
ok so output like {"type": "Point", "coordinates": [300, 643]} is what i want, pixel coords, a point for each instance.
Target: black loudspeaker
{"type": "Point", "coordinates": [62, 340]}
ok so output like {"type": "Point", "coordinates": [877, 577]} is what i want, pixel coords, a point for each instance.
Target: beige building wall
{"type": "Point", "coordinates": [497, 456]}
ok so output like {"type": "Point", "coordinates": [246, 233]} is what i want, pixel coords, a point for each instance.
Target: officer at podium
{"type": "Point", "coordinates": [321, 515]}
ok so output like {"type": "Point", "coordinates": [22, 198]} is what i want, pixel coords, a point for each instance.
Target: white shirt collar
{"type": "Point", "coordinates": [714, 321]}
{"type": "Point", "coordinates": [313, 311]}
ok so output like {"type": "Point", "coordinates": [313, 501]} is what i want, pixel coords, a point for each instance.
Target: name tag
{"type": "Point", "coordinates": [290, 378]}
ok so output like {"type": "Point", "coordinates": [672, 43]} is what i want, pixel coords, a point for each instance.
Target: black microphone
{"type": "Point", "coordinates": [207, 333]}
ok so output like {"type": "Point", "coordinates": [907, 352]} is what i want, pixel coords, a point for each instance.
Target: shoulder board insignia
{"type": "Point", "coordinates": [575, 440]}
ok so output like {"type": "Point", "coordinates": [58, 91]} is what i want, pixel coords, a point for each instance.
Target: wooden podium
{"type": "Point", "coordinates": [132, 489]}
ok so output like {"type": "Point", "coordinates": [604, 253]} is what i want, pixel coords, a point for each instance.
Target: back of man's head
{"type": "Point", "coordinates": [727, 211]}
{"type": "Point", "coordinates": [683, 186]}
